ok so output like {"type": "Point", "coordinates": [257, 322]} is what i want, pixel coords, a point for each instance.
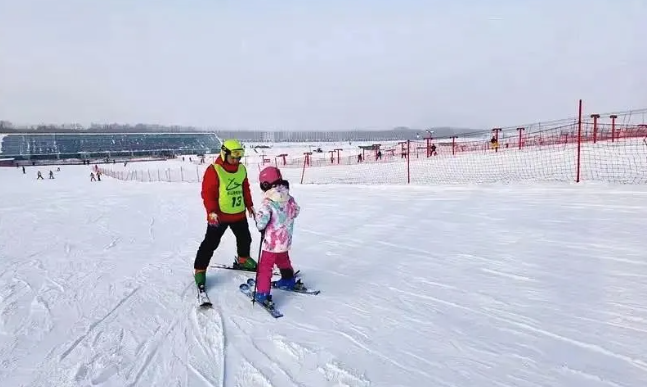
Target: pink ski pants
{"type": "Point", "coordinates": [265, 266]}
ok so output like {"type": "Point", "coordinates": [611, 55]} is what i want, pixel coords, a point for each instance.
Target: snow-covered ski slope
{"type": "Point", "coordinates": [518, 285]}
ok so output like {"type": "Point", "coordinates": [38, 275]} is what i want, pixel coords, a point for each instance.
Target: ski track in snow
{"type": "Point", "coordinates": [439, 286]}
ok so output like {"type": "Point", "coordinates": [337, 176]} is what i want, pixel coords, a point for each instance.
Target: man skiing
{"type": "Point", "coordinates": [226, 196]}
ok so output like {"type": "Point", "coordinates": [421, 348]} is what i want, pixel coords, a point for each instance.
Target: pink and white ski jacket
{"type": "Point", "coordinates": [276, 216]}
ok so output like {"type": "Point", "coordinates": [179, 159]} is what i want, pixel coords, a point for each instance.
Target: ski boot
{"type": "Point", "coordinates": [200, 280]}
{"type": "Point", "coordinates": [243, 263]}
{"type": "Point", "coordinates": [265, 299]}
{"type": "Point", "coordinates": [288, 281]}
{"type": "Point", "coordinates": [200, 277]}
{"type": "Point", "coordinates": [289, 284]}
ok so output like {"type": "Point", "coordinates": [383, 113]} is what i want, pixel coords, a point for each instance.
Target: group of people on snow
{"type": "Point", "coordinates": [98, 176]}
{"type": "Point", "coordinates": [227, 198]}
{"type": "Point", "coordinates": [39, 175]}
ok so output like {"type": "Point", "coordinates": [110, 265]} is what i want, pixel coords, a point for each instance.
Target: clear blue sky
{"type": "Point", "coordinates": [319, 65]}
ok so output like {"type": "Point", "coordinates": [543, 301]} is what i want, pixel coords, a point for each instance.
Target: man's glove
{"type": "Point", "coordinates": [212, 219]}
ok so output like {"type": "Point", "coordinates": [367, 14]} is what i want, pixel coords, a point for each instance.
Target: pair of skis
{"type": "Point", "coordinates": [246, 289]}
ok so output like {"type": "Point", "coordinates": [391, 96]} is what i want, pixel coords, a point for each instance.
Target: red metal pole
{"type": "Point", "coordinates": [520, 135]}
{"type": "Point", "coordinates": [496, 137]}
{"type": "Point", "coordinates": [453, 145]}
{"type": "Point", "coordinates": [595, 127]}
{"type": "Point", "coordinates": [579, 141]}
{"type": "Point", "coordinates": [613, 127]}
{"type": "Point", "coordinates": [408, 161]}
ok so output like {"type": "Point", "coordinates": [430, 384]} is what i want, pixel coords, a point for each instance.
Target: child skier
{"type": "Point", "coordinates": [275, 220]}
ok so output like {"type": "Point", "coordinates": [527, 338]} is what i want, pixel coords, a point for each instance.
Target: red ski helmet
{"type": "Point", "coordinates": [269, 176]}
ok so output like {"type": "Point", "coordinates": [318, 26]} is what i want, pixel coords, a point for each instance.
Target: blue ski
{"type": "Point", "coordinates": [302, 289]}
{"type": "Point", "coordinates": [246, 289]}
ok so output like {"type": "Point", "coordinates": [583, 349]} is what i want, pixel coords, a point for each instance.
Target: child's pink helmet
{"type": "Point", "coordinates": [269, 176]}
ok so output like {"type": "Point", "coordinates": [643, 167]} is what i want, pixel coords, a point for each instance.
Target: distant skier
{"type": "Point", "coordinates": [226, 196]}
{"type": "Point", "coordinates": [51, 174]}
{"type": "Point", "coordinates": [92, 177]}
{"type": "Point", "coordinates": [39, 176]}
{"type": "Point", "coordinates": [275, 220]}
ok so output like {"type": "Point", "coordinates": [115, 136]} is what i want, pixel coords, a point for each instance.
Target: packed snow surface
{"type": "Point", "coordinates": [519, 285]}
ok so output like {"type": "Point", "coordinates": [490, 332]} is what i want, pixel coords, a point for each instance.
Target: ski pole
{"type": "Point", "coordinates": [260, 248]}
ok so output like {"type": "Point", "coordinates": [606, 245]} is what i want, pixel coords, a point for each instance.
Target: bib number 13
{"type": "Point", "coordinates": [236, 201]}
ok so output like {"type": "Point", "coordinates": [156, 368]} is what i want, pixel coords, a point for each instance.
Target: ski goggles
{"type": "Point", "coordinates": [236, 153]}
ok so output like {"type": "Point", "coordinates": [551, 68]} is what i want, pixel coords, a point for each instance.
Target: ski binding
{"type": "Point", "coordinates": [246, 289]}
{"type": "Point", "coordinates": [302, 289]}
{"type": "Point", "coordinates": [203, 299]}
